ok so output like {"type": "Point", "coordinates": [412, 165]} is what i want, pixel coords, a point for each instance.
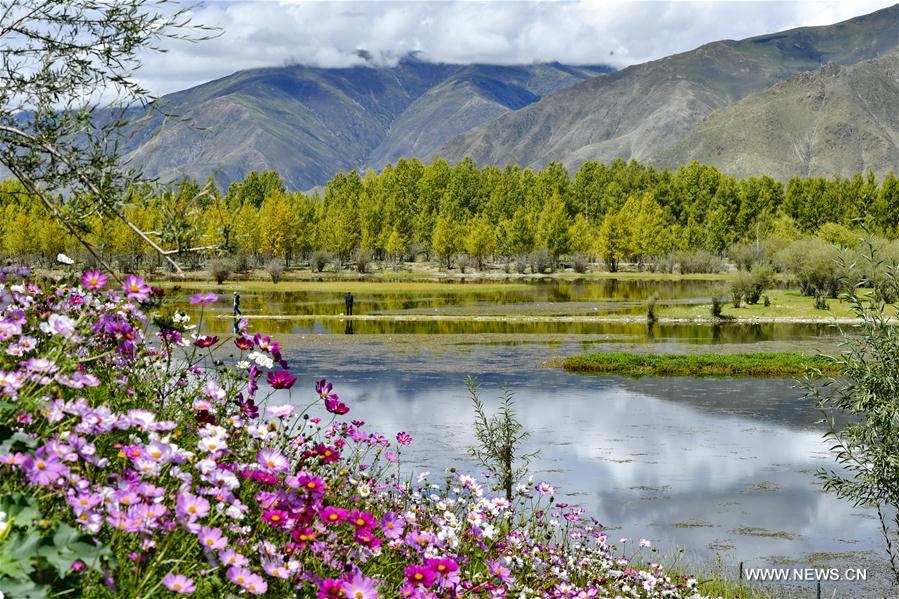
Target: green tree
{"type": "Point", "coordinates": [612, 240]}
{"type": "Point", "coordinates": [445, 240]}
{"type": "Point", "coordinates": [581, 236]}
{"type": "Point", "coordinates": [480, 240]}
{"type": "Point", "coordinates": [552, 227]}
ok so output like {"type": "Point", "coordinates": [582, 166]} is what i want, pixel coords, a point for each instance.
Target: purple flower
{"type": "Point", "coordinates": [244, 578]}
{"type": "Point", "coordinates": [360, 587]}
{"type": "Point", "coordinates": [44, 470]}
{"type": "Point", "coordinates": [211, 538]}
{"type": "Point", "coordinates": [403, 438]}
{"type": "Point", "coordinates": [203, 299]}
{"type": "Point", "coordinates": [191, 506]}
{"type": "Point", "coordinates": [178, 583]}
{"type": "Point", "coordinates": [94, 279]}
{"type": "Point", "coordinates": [135, 288]}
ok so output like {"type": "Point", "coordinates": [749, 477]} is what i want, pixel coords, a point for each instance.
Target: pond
{"type": "Point", "coordinates": [723, 468]}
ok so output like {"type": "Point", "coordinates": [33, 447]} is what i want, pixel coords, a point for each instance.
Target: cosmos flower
{"type": "Point", "coordinates": [272, 459]}
{"type": "Point", "coordinates": [360, 587]}
{"type": "Point", "coordinates": [94, 280]}
{"type": "Point", "coordinates": [212, 538]}
{"type": "Point", "coordinates": [135, 288]}
{"type": "Point", "coordinates": [280, 379]}
{"type": "Point", "coordinates": [205, 341]}
{"type": "Point", "coordinates": [178, 583]}
{"type": "Point", "coordinates": [203, 299]}
{"type": "Point", "coordinates": [420, 575]}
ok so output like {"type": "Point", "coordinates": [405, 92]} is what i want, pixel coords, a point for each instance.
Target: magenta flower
{"type": "Point", "coordinates": [244, 343]}
{"type": "Point", "coordinates": [360, 587]}
{"type": "Point", "coordinates": [280, 379]}
{"type": "Point", "coordinates": [203, 299]}
{"type": "Point", "coordinates": [211, 538]}
{"type": "Point", "coordinates": [275, 517]}
{"type": "Point", "coordinates": [420, 575]}
{"type": "Point", "coordinates": [403, 438]}
{"type": "Point", "coordinates": [206, 341]}
{"type": "Point", "coordinates": [333, 515]}
{"type": "Point", "coordinates": [361, 519]}
{"type": "Point", "coordinates": [94, 279]}
{"type": "Point", "coordinates": [272, 459]}
{"type": "Point", "coordinates": [135, 288]}
{"type": "Point", "coordinates": [336, 407]}
{"type": "Point", "coordinates": [443, 566]}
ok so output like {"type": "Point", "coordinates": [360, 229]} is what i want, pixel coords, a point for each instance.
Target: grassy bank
{"type": "Point", "coordinates": [783, 303]}
{"type": "Point", "coordinates": [779, 364]}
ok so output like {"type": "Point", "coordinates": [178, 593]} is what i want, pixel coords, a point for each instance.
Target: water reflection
{"type": "Point", "coordinates": [723, 467]}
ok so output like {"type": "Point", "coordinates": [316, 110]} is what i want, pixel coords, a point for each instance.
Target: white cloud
{"type": "Point", "coordinates": [331, 34]}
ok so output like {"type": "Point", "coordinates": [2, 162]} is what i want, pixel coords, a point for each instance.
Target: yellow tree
{"type": "Point", "coordinates": [480, 241]}
{"type": "Point", "coordinates": [277, 226]}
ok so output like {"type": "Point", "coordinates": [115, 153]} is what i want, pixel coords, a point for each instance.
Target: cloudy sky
{"type": "Point", "coordinates": [258, 33]}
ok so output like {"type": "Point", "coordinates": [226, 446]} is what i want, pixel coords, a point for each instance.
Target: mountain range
{"type": "Point", "coordinates": [808, 101]}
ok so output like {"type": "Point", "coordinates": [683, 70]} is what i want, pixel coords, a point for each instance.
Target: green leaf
{"type": "Point", "coordinates": [22, 508]}
{"type": "Point", "coordinates": [22, 589]}
{"type": "Point", "coordinates": [13, 440]}
{"type": "Point", "coordinates": [17, 553]}
{"type": "Point", "coordinates": [70, 545]}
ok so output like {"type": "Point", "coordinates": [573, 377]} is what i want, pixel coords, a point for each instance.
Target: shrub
{"type": "Point", "coordinates": [363, 260]}
{"type": "Point", "coordinates": [220, 269]}
{"type": "Point", "coordinates": [766, 301]}
{"type": "Point", "coordinates": [540, 261]}
{"type": "Point", "coordinates": [746, 255]}
{"type": "Point", "coordinates": [463, 262]}
{"type": "Point", "coordinates": [579, 262]}
{"type": "Point", "coordinates": [319, 260]}
{"type": "Point", "coordinates": [521, 264]}
{"type": "Point", "coordinates": [814, 265]}
{"type": "Point", "coordinates": [716, 307]}
{"type": "Point", "coordinates": [181, 466]}
{"type": "Point", "coordinates": [275, 269]}
{"type": "Point", "coordinates": [699, 261]}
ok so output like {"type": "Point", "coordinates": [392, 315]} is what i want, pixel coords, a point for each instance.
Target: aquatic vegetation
{"type": "Point", "coordinates": [763, 364]}
{"type": "Point", "coordinates": [156, 466]}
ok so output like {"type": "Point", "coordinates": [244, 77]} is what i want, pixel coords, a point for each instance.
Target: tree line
{"type": "Point", "coordinates": [461, 214]}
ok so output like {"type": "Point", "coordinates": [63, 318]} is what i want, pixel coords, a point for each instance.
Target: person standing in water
{"type": "Point", "coordinates": [349, 303]}
{"type": "Point", "coordinates": [237, 304]}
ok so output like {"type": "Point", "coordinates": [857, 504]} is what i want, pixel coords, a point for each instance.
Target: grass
{"type": "Point", "coordinates": [367, 286]}
{"type": "Point", "coordinates": [785, 303]}
{"type": "Point", "coordinates": [774, 364]}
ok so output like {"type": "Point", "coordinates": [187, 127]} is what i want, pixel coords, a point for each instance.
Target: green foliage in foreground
{"type": "Point", "coordinates": [774, 364]}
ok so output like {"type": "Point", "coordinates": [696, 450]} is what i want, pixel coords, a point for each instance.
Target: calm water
{"type": "Point", "coordinates": [721, 467]}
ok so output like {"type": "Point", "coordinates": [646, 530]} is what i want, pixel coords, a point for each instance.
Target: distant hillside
{"type": "Point", "coordinates": [640, 111]}
{"type": "Point", "coordinates": [838, 120]}
{"type": "Point", "coordinates": [307, 123]}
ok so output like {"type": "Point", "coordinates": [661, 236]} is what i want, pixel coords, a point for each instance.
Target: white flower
{"type": "Point", "coordinates": [243, 364]}
{"type": "Point", "coordinates": [645, 543]}
{"type": "Point", "coordinates": [364, 490]}
{"type": "Point", "coordinates": [261, 359]}
{"type": "Point", "coordinates": [63, 259]}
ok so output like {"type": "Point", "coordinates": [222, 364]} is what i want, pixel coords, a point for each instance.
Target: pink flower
{"type": "Point", "coordinates": [211, 538]}
{"type": "Point", "coordinates": [94, 279]}
{"type": "Point", "coordinates": [336, 407]}
{"type": "Point", "coordinates": [360, 587]}
{"type": "Point", "coordinates": [178, 583]}
{"type": "Point", "coordinates": [361, 519]}
{"type": "Point", "coordinates": [280, 379]}
{"type": "Point", "coordinates": [229, 557]}
{"type": "Point", "coordinates": [191, 506]}
{"type": "Point", "coordinates": [272, 459]}
{"type": "Point", "coordinates": [280, 411]}
{"type": "Point", "coordinates": [500, 571]}
{"type": "Point", "coordinates": [403, 438]}
{"type": "Point", "coordinates": [275, 517]}
{"type": "Point", "coordinates": [245, 578]}
{"type": "Point", "coordinates": [44, 470]}
{"type": "Point", "coordinates": [135, 288]}
{"type": "Point", "coordinates": [420, 575]}
{"type": "Point", "coordinates": [206, 341]}
{"type": "Point", "coordinates": [203, 299]}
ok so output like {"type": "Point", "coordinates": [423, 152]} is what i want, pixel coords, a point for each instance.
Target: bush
{"type": "Point", "coordinates": [463, 262]}
{"type": "Point", "coordinates": [814, 264]}
{"type": "Point", "coordinates": [540, 261]}
{"type": "Point", "coordinates": [580, 262]}
{"type": "Point", "coordinates": [766, 301]}
{"type": "Point", "coordinates": [363, 260]}
{"type": "Point", "coordinates": [666, 264]}
{"type": "Point", "coordinates": [275, 269]}
{"type": "Point", "coordinates": [221, 269]}
{"type": "Point", "coordinates": [521, 264]}
{"type": "Point", "coordinates": [699, 261]}
{"type": "Point", "coordinates": [746, 255]}
{"type": "Point", "coordinates": [319, 260]}
{"type": "Point", "coordinates": [716, 307]}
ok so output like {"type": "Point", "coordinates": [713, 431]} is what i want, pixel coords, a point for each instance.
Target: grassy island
{"type": "Point", "coordinates": [773, 364]}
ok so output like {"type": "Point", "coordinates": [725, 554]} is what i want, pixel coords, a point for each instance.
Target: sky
{"type": "Point", "coordinates": [261, 33]}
